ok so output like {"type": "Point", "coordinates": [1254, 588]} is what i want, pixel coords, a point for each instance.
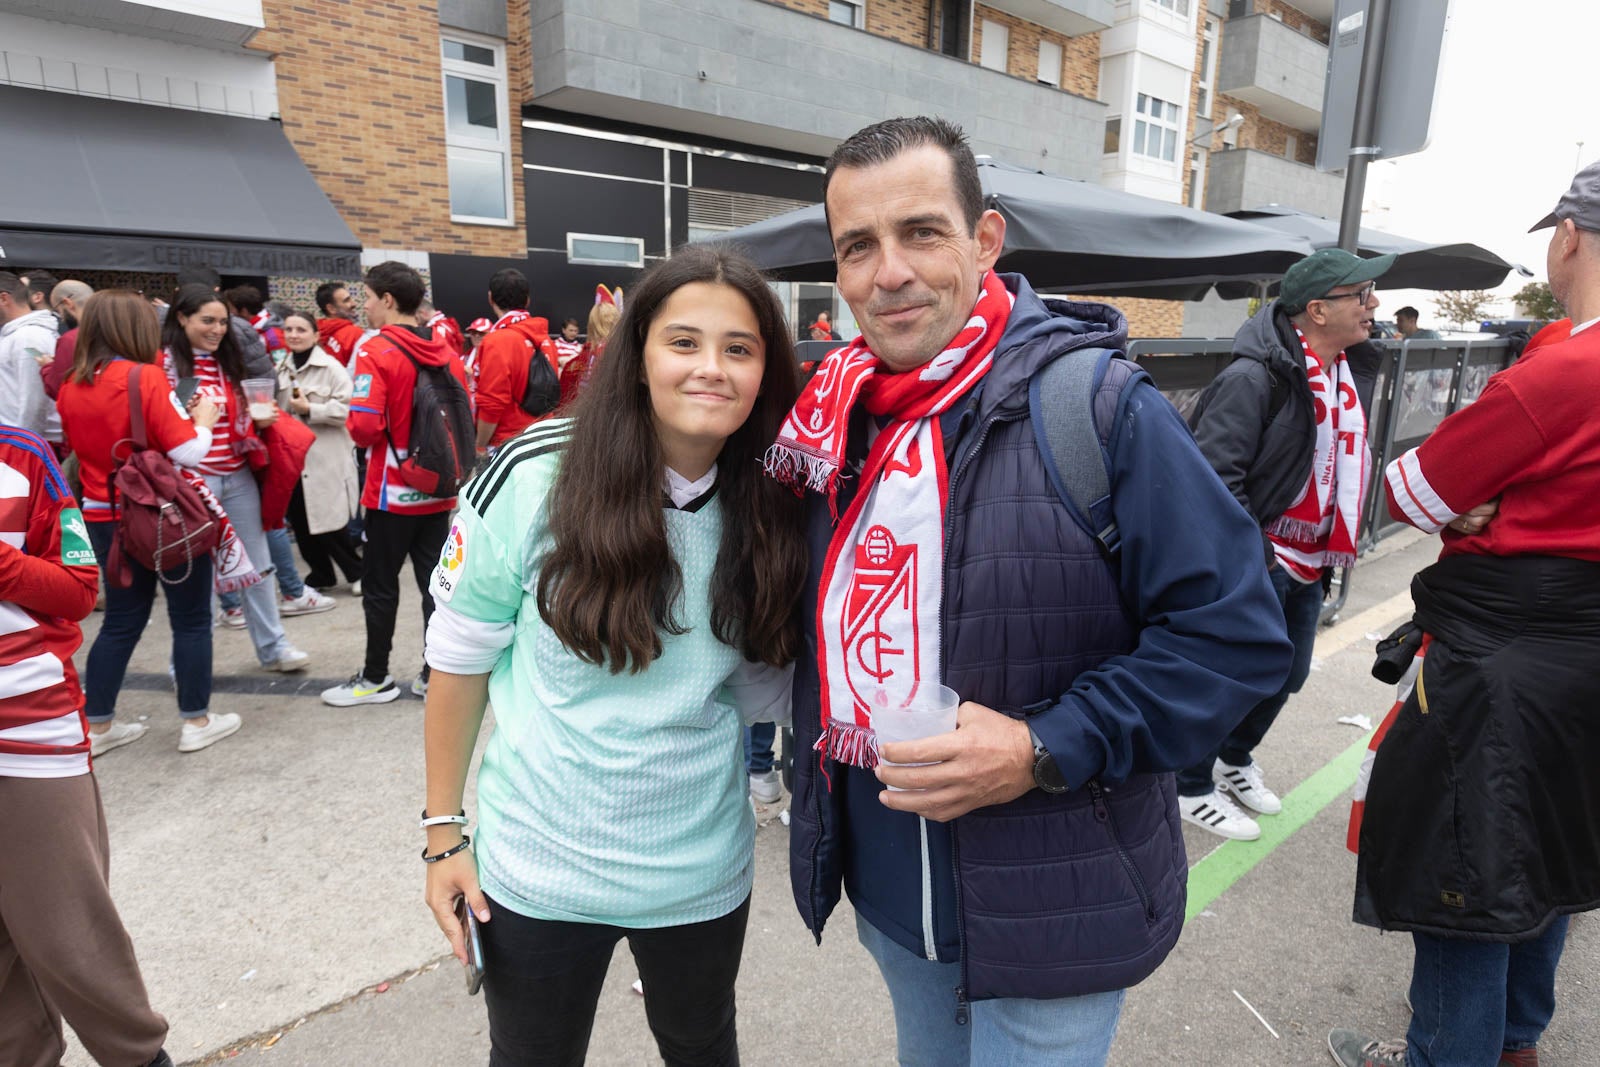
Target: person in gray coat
{"type": "Point", "coordinates": [1284, 425]}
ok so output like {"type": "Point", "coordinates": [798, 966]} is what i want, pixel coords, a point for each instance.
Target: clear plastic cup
{"type": "Point", "coordinates": [259, 393]}
{"type": "Point", "coordinates": [930, 713]}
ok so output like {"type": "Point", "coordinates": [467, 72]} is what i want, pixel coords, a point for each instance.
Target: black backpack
{"type": "Point", "coordinates": [443, 448]}
{"type": "Point", "coordinates": [543, 391]}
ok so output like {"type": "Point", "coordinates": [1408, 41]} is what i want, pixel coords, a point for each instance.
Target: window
{"type": "Point", "coordinates": [1179, 6]}
{"type": "Point", "coordinates": [1155, 133]}
{"type": "Point", "coordinates": [1291, 147]}
{"type": "Point", "coordinates": [603, 251]}
{"type": "Point", "coordinates": [846, 13]}
{"type": "Point", "coordinates": [996, 43]}
{"type": "Point", "coordinates": [1197, 178]}
{"type": "Point", "coordinates": [1208, 69]}
{"type": "Point", "coordinates": [1050, 63]}
{"type": "Point", "coordinates": [1113, 136]}
{"type": "Point", "coordinates": [477, 130]}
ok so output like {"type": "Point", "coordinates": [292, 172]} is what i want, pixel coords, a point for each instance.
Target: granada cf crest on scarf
{"type": "Point", "coordinates": [880, 617]}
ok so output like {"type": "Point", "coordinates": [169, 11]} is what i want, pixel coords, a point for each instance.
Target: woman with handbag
{"type": "Point", "coordinates": [315, 388]}
{"type": "Point", "coordinates": [118, 333]}
{"type": "Point", "coordinates": [623, 586]}
{"type": "Point", "coordinates": [197, 343]}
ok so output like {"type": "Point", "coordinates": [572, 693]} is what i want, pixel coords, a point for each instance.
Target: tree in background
{"type": "Point", "coordinates": [1536, 301]}
{"type": "Point", "coordinates": [1462, 308]}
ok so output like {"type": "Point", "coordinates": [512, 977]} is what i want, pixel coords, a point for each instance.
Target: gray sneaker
{"type": "Point", "coordinates": [1351, 1048]}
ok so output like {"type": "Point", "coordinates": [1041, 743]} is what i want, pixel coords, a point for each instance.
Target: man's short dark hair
{"type": "Point", "coordinates": [885, 140]}
{"type": "Point", "coordinates": [12, 286]}
{"type": "Point", "coordinates": [246, 299]}
{"type": "Point", "coordinates": [199, 274]}
{"type": "Point", "coordinates": [399, 281]}
{"type": "Point", "coordinates": [1408, 312]}
{"type": "Point", "coordinates": [325, 293]}
{"type": "Point", "coordinates": [42, 282]}
{"type": "Point", "coordinates": [508, 288]}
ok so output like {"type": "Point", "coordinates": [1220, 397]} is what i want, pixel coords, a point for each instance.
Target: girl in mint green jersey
{"type": "Point", "coordinates": [621, 587]}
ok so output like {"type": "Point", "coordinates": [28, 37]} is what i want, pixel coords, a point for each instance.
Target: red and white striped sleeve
{"type": "Point", "coordinates": [1412, 497]}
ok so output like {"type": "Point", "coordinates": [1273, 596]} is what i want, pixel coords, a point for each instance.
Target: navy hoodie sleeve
{"type": "Point", "coordinates": [1212, 641]}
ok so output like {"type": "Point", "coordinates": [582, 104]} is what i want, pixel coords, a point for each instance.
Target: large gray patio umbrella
{"type": "Point", "coordinates": [1419, 265]}
{"type": "Point", "coordinates": [1065, 234]}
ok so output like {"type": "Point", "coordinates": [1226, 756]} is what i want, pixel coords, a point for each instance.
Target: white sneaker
{"type": "Point", "coordinates": [358, 690]}
{"type": "Point", "coordinates": [355, 587]}
{"type": "Point", "coordinates": [1215, 812]}
{"type": "Point", "coordinates": [222, 724]}
{"type": "Point", "coordinates": [1247, 786]}
{"type": "Point", "coordinates": [309, 602]}
{"type": "Point", "coordinates": [419, 686]}
{"type": "Point", "coordinates": [233, 618]}
{"type": "Point", "coordinates": [291, 659]}
{"type": "Point", "coordinates": [121, 733]}
{"type": "Point", "coordinates": [766, 788]}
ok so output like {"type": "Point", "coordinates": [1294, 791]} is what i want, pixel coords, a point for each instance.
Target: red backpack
{"type": "Point", "coordinates": [163, 524]}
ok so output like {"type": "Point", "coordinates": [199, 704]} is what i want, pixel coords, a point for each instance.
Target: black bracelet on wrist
{"type": "Point", "coordinates": [447, 853]}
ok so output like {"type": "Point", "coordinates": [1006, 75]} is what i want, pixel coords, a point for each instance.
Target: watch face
{"type": "Point", "coordinates": [1047, 776]}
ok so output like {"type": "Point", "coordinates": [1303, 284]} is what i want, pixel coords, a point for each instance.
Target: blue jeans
{"type": "Point", "coordinates": [758, 747]}
{"type": "Point", "coordinates": [289, 583]}
{"type": "Point", "coordinates": [241, 499]}
{"type": "Point", "coordinates": [127, 613]}
{"type": "Point", "coordinates": [1472, 999]}
{"type": "Point", "coordinates": [1302, 607]}
{"type": "Point", "coordinates": [1006, 1032]}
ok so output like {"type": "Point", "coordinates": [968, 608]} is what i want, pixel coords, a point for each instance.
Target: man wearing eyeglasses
{"type": "Point", "coordinates": [1285, 426]}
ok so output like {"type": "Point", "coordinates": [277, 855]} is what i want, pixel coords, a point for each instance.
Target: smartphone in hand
{"type": "Point", "coordinates": [186, 390]}
{"type": "Point", "coordinates": [469, 931]}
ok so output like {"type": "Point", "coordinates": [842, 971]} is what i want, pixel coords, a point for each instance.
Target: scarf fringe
{"type": "Point", "coordinates": [1294, 529]}
{"type": "Point", "coordinates": [797, 468]}
{"type": "Point", "coordinates": [846, 742]}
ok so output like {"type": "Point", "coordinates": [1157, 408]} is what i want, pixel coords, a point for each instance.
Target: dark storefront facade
{"type": "Point", "coordinates": [604, 201]}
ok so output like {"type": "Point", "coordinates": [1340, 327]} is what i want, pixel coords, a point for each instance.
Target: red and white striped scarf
{"type": "Point", "coordinates": [882, 578]}
{"type": "Point", "coordinates": [1320, 529]}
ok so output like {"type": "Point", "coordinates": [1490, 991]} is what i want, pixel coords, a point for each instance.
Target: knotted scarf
{"type": "Point", "coordinates": [1320, 529]}
{"type": "Point", "coordinates": [882, 579]}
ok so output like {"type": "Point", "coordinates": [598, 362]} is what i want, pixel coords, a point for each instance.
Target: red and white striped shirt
{"type": "Point", "coordinates": [48, 580]}
{"type": "Point", "coordinates": [223, 458]}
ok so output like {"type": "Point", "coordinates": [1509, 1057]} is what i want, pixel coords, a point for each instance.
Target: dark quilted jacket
{"type": "Point", "coordinates": [1082, 892]}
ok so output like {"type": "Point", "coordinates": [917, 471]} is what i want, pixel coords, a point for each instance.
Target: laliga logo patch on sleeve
{"type": "Point", "coordinates": [363, 386]}
{"type": "Point", "coordinates": [75, 548]}
{"type": "Point", "coordinates": [451, 560]}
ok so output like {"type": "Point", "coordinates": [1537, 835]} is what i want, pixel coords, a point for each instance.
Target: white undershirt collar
{"type": "Point", "coordinates": [682, 490]}
{"type": "Point", "coordinates": [1584, 326]}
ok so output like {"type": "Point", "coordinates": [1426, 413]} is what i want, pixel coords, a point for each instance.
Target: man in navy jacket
{"type": "Point", "coordinates": [1034, 868]}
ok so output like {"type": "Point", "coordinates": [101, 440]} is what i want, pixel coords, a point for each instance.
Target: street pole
{"type": "Point", "coordinates": [1361, 135]}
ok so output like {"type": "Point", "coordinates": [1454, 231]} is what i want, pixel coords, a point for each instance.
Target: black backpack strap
{"type": "Point", "coordinates": [1071, 438]}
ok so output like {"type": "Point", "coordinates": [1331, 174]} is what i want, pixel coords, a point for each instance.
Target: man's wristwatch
{"type": "Point", "coordinates": [1046, 775]}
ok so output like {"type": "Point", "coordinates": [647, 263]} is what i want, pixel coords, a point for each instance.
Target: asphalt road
{"type": "Point", "coordinates": [272, 888]}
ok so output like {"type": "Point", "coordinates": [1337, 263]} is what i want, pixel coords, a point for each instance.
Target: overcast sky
{"type": "Point", "coordinates": [1516, 95]}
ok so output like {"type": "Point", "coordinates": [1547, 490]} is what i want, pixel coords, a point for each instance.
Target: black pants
{"type": "Point", "coordinates": [542, 980]}
{"type": "Point", "coordinates": [322, 551]}
{"type": "Point", "coordinates": [391, 539]}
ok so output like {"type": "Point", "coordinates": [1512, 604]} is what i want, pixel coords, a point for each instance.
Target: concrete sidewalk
{"type": "Point", "coordinates": [272, 887]}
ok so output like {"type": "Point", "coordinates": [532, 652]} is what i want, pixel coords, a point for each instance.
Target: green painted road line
{"type": "Point", "coordinates": [1232, 860]}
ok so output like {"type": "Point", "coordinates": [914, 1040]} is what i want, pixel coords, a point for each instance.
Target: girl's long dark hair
{"type": "Point", "coordinates": [610, 586]}
{"type": "Point", "coordinates": [189, 300]}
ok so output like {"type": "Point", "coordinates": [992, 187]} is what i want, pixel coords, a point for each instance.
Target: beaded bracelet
{"type": "Point", "coordinates": [447, 853]}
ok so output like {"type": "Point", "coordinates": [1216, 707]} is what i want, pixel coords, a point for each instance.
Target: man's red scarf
{"type": "Point", "coordinates": [1320, 529]}
{"type": "Point", "coordinates": [882, 580]}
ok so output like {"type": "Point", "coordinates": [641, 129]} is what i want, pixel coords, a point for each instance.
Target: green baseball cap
{"type": "Point", "coordinates": [1324, 271]}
